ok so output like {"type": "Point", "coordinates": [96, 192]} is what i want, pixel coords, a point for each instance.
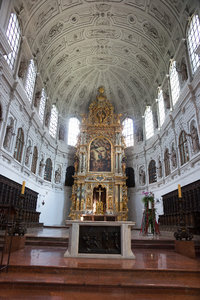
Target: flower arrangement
{"type": "Point", "coordinates": [149, 224]}
{"type": "Point", "coordinates": [148, 197]}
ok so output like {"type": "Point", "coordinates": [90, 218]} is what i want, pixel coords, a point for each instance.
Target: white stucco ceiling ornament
{"type": "Point", "coordinates": [124, 45]}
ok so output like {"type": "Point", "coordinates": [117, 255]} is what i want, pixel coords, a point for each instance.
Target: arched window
{"type": "Point", "coordinates": [167, 162]}
{"type": "Point", "coordinates": [34, 160]}
{"type": "Point", "coordinates": [183, 148]}
{"type": "Point", "coordinates": [73, 131]}
{"type": "Point", "coordinates": [161, 107]}
{"type": "Point", "coordinates": [48, 170]}
{"type": "Point", "coordinates": [174, 82]}
{"type": "Point", "coordinates": [152, 171]}
{"type": "Point", "coordinates": [128, 132]}
{"type": "Point", "coordinates": [30, 79]}
{"type": "Point", "coordinates": [42, 105]}
{"type": "Point", "coordinates": [148, 122]}
{"type": "Point", "coordinates": [13, 35]}
{"type": "Point", "coordinates": [19, 145]}
{"type": "Point", "coordinates": [53, 121]}
{"type": "Point", "coordinates": [193, 41]}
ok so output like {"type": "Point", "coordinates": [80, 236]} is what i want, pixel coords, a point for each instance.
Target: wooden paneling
{"type": "Point", "coordinates": [10, 200]}
{"type": "Point", "coordinates": [191, 207]}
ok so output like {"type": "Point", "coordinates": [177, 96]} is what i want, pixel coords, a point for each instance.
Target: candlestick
{"type": "Point", "coordinates": [179, 191]}
{"type": "Point", "coordinates": [23, 187]}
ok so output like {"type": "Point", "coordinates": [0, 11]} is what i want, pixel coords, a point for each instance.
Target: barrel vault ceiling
{"type": "Point", "coordinates": [123, 45]}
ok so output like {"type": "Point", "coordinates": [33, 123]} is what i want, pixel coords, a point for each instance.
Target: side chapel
{"type": "Point", "coordinates": [99, 191]}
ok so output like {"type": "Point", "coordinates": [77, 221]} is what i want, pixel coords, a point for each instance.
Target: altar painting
{"type": "Point", "coordinates": [100, 155]}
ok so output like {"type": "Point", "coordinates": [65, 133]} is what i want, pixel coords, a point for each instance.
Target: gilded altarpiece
{"type": "Point", "coordinates": [100, 182]}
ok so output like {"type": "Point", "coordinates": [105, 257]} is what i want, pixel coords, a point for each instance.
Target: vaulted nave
{"type": "Point", "coordinates": [100, 149]}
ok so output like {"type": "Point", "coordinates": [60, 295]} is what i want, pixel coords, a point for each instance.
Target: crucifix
{"type": "Point", "coordinates": [100, 191]}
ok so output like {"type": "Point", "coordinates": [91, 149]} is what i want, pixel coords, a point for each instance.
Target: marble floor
{"type": "Point", "coordinates": [145, 259]}
{"type": "Point", "coordinates": [37, 272]}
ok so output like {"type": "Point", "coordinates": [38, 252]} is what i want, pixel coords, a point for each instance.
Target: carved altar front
{"type": "Point", "coordinates": [100, 181]}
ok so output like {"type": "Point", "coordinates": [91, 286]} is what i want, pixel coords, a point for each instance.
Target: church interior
{"type": "Point", "coordinates": [100, 149]}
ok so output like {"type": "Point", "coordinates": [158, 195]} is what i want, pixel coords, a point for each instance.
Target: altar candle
{"type": "Point", "coordinates": [23, 187]}
{"type": "Point", "coordinates": [179, 191]}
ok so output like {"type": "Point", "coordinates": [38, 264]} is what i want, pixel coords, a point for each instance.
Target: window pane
{"type": "Point", "coordinates": [174, 82]}
{"type": "Point", "coordinates": [30, 80]}
{"type": "Point", "coordinates": [53, 122]}
{"type": "Point", "coordinates": [13, 36]}
{"type": "Point", "coordinates": [193, 39]}
{"type": "Point", "coordinates": [42, 105]}
{"type": "Point", "coordinates": [73, 131]}
{"type": "Point", "coordinates": [149, 122]}
{"type": "Point", "coordinates": [161, 107]}
{"type": "Point", "coordinates": [128, 132]}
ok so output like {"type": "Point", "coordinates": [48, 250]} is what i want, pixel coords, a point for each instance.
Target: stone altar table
{"type": "Point", "coordinates": [100, 239]}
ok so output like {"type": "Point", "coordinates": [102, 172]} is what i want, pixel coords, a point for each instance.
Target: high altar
{"type": "Point", "coordinates": [99, 191]}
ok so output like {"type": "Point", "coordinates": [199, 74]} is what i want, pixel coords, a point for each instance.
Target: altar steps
{"type": "Point", "coordinates": [42, 241]}
{"type": "Point", "coordinates": [166, 244]}
{"type": "Point", "coordinates": [160, 244]}
{"type": "Point", "coordinates": [47, 241]}
{"type": "Point", "coordinates": [152, 244]}
{"type": "Point", "coordinates": [97, 282]}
